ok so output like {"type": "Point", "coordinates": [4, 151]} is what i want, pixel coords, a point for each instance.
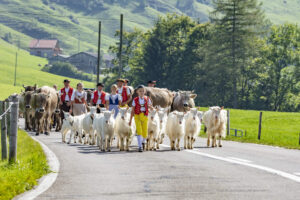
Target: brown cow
{"type": "Point", "coordinates": [159, 96]}
{"type": "Point", "coordinates": [30, 88]}
{"type": "Point", "coordinates": [29, 111]}
{"type": "Point", "coordinates": [56, 116]}
{"type": "Point", "coordinates": [45, 104]}
{"type": "Point", "coordinates": [183, 101]}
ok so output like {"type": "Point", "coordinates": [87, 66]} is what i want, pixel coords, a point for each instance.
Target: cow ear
{"type": "Point", "coordinates": [193, 96]}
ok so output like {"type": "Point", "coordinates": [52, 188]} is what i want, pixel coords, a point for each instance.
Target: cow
{"type": "Point", "coordinates": [183, 101]}
{"type": "Point", "coordinates": [159, 96]}
{"type": "Point", "coordinates": [56, 116]}
{"type": "Point", "coordinates": [30, 88]}
{"type": "Point", "coordinates": [175, 128]}
{"type": "Point", "coordinates": [45, 104]}
{"type": "Point", "coordinates": [29, 111]}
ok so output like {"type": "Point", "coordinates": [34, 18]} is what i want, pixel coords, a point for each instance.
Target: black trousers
{"type": "Point", "coordinates": [65, 108]}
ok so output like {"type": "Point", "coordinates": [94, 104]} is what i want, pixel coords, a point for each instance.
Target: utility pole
{"type": "Point", "coordinates": [16, 63]}
{"type": "Point", "coordinates": [99, 43]}
{"type": "Point", "coordinates": [120, 47]}
{"type": "Point", "coordinates": [78, 42]}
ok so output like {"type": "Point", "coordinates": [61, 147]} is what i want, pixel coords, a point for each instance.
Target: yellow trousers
{"type": "Point", "coordinates": [141, 123]}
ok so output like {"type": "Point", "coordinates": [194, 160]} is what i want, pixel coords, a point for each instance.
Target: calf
{"type": "Point", "coordinates": [123, 130]}
{"type": "Point", "coordinates": [162, 115]}
{"type": "Point", "coordinates": [215, 120]}
{"type": "Point", "coordinates": [192, 128]}
{"type": "Point", "coordinates": [175, 128]}
{"type": "Point", "coordinates": [104, 126]}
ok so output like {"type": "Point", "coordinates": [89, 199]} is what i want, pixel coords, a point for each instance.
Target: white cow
{"type": "Point", "coordinates": [162, 115]}
{"type": "Point", "coordinates": [75, 122]}
{"type": "Point", "coordinates": [215, 120]}
{"type": "Point", "coordinates": [175, 128]}
{"type": "Point", "coordinates": [104, 127]}
{"type": "Point", "coordinates": [153, 131]}
{"type": "Point", "coordinates": [123, 130]}
{"type": "Point", "coordinates": [65, 128]}
{"type": "Point", "coordinates": [88, 126]}
{"type": "Point", "coordinates": [192, 128]}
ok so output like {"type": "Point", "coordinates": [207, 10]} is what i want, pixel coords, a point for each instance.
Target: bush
{"type": "Point", "coordinates": [68, 70]}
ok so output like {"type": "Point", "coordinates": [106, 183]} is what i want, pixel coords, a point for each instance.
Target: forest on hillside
{"type": "Point", "coordinates": [238, 60]}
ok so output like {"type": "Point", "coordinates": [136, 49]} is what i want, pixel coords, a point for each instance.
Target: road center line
{"type": "Point", "coordinates": [263, 168]}
{"type": "Point", "coordinates": [297, 173]}
{"type": "Point", "coordinates": [239, 159]}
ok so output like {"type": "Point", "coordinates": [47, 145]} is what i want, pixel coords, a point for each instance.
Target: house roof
{"type": "Point", "coordinates": [108, 57]}
{"type": "Point", "coordinates": [43, 44]}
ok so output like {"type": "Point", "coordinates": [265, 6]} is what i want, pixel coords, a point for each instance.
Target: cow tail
{"type": "Point", "coordinates": [205, 129]}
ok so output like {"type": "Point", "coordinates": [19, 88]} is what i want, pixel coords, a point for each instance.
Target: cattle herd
{"type": "Point", "coordinates": [174, 115]}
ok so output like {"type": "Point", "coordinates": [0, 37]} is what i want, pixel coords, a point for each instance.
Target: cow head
{"type": "Point", "coordinates": [200, 115]}
{"type": "Point", "coordinates": [69, 118]}
{"type": "Point", "coordinates": [93, 111]}
{"type": "Point", "coordinates": [27, 99]}
{"type": "Point", "coordinates": [107, 115]}
{"type": "Point", "coordinates": [30, 88]}
{"type": "Point", "coordinates": [187, 99]}
{"type": "Point", "coordinates": [41, 101]}
{"type": "Point", "coordinates": [162, 114]}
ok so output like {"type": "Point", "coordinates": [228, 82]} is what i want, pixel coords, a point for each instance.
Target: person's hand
{"type": "Point", "coordinates": [69, 103]}
{"type": "Point", "coordinates": [70, 111]}
{"type": "Point", "coordinates": [129, 123]}
{"type": "Point", "coordinates": [60, 103]}
{"type": "Point", "coordinates": [123, 104]}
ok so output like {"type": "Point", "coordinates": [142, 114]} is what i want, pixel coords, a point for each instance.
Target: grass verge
{"type": "Point", "coordinates": [23, 175]}
{"type": "Point", "coordinates": [278, 128]}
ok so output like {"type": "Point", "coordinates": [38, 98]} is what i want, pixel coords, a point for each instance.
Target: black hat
{"type": "Point", "coordinates": [140, 86]}
{"type": "Point", "coordinates": [153, 82]}
{"type": "Point", "coordinates": [66, 81]}
{"type": "Point", "coordinates": [126, 80]}
{"type": "Point", "coordinates": [100, 84]}
{"type": "Point", "coordinates": [120, 80]}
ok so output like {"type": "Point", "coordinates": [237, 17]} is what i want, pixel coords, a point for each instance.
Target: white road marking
{"type": "Point", "coordinates": [47, 180]}
{"type": "Point", "coordinates": [297, 173]}
{"type": "Point", "coordinates": [239, 159]}
{"type": "Point", "coordinates": [263, 168]}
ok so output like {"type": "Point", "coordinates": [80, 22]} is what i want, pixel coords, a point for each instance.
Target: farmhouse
{"type": "Point", "coordinates": [44, 48]}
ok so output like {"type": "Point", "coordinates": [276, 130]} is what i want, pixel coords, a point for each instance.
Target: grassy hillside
{"type": "Point", "coordinates": [28, 71]}
{"type": "Point", "coordinates": [70, 20]}
{"type": "Point", "coordinates": [278, 128]}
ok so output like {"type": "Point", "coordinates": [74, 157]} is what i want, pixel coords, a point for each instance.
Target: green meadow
{"type": "Point", "coordinates": [278, 128]}
{"type": "Point", "coordinates": [28, 71]}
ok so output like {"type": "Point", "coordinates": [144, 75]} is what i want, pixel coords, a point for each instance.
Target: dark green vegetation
{"type": "Point", "coordinates": [23, 175]}
{"type": "Point", "coordinates": [239, 60]}
{"type": "Point", "coordinates": [68, 70]}
{"type": "Point", "coordinates": [69, 20]}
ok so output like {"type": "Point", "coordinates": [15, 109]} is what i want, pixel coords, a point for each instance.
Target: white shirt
{"type": "Point", "coordinates": [67, 98]}
{"type": "Point", "coordinates": [99, 97]}
{"type": "Point", "coordinates": [79, 95]}
{"type": "Point", "coordinates": [120, 90]}
{"type": "Point", "coordinates": [113, 97]}
{"type": "Point", "coordinates": [142, 102]}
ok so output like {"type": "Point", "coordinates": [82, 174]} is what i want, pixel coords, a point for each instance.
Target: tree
{"type": "Point", "coordinates": [237, 24]}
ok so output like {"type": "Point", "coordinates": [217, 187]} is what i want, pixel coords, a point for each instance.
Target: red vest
{"type": "Point", "coordinates": [124, 94]}
{"type": "Point", "coordinates": [137, 108]}
{"type": "Point", "coordinates": [63, 92]}
{"type": "Point", "coordinates": [96, 97]}
{"type": "Point", "coordinates": [77, 101]}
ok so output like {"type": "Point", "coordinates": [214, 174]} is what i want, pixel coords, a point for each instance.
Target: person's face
{"type": "Point", "coordinates": [113, 90]}
{"type": "Point", "coordinates": [125, 84]}
{"type": "Point", "coordinates": [151, 84]}
{"type": "Point", "coordinates": [79, 87]}
{"type": "Point", "coordinates": [141, 92]}
{"type": "Point", "coordinates": [100, 88]}
{"type": "Point", "coordinates": [120, 84]}
{"type": "Point", "coordinates": [66, 84]}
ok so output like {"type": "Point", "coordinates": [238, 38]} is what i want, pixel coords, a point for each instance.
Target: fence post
{"type": "Point", "coordinates": [3, 132]}
{"type": "Point", "coordinates": [228, 122]}
{"type": "Point", "coordinates": [13, 129]}
{"type": "Point", "coordinates": [299, 138]}
{"type": "Point", "coordinates": [7, 116]}
{"type": "Point", "coordinates": [259, 126]}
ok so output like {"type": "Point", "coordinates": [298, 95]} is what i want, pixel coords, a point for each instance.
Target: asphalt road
{"type": "Point", "coordinates": [235, 171]}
